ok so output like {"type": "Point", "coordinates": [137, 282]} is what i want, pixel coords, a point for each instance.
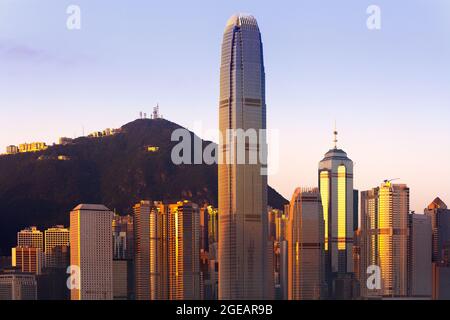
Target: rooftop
{"type": "Point", "coordinates": [91, 207]}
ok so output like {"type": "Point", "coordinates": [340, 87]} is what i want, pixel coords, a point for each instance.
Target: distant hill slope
{"type": "Point", "coordinates": [117, 171]}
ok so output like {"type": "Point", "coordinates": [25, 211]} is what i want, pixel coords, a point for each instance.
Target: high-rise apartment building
{"type": "Point", "coordinates": [305, 238]}
{"type": "Point", "coordinates": [184, 251]}
{"type": "Point", "coordinates": [244, 270]}
{"type": "Point", "coordinates": [384, 238]}
{"type": "Point", "coordinates": [57, 246]}
{"type": "Point", "coordinates": [167, 250]}
{"type": "Point", "coordinates": [30, 237]}
{"type": "Point", "coordinates": [336, 188]}
{"type": "Point", "coordinates": [91, 251]}
{"type": "Point", "coordinates": [28, 259]}
{"type": "Point", "coordinates": [151, 250]}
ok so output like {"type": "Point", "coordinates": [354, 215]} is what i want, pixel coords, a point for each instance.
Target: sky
{"type": "Point", "coordinates": [388, 90]}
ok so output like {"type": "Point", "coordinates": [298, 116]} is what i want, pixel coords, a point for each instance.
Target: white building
{"type": "Point", "coordinates": [91, 251]}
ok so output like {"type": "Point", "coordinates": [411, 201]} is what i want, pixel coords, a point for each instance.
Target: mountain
{"type": "Point", "coordinates": [116, 170]}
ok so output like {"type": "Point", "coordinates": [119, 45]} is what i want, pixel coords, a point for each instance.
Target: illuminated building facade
{"type": "Point", "coordinates": [184, 251]}
{"type": "Point", "coordinates": [151, 250]}
{"type": "Point", "coordinates": [28, 259]}
{"type": "Point", "coordinates": [12, 150]}
{"type": "Point", "coordinates": [243, 269]}
{"type": "Point", "coordinates": [91, 250]}
{"type": "Point", "coordinates": [32, 147]}
{"type": "Point", "coordinates": [30, 237]}
{"type": "Point", "coordinates": [57, 246]}
{"type": "Point", "coordinates": [384, 217]}
{"type": "Point", "coordinates": [336, 189]}
{"type": "Point", "coordinates": [305, 238]}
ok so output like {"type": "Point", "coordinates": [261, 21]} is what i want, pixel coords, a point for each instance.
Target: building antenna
{"type": "Point", "coordinates": [335, 135]}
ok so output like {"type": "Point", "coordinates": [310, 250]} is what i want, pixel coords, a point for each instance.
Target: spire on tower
{"type": "Point", "coordinates": [335, 135]}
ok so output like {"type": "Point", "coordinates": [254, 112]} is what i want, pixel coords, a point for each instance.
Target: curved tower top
{"type": "Point", "coordinates": [241, 19]}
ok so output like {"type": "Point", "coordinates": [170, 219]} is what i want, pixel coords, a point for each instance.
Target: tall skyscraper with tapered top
{"type": "Point", "coordinates": [243, 253]}
{"type": "Point", "coordinates": [336, 188]}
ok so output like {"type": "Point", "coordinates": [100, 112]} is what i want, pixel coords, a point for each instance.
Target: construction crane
{"type": "Point", "coordinates": [390, 180]}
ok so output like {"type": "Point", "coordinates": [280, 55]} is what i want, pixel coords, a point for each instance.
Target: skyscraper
{"type": "Point", "coordinates": [305, 238]}
{"type": "Point", "coordinates": [57, 241]}
{"type": "Point", "coordinates": [440, 222]}
{"type": "Point", "coordinates": [336, 188]}
{"type": "Point", "coordinates": [384, 228]}
{"type": "Point", "coordinates": [151, 250]}
{"type": "Point", "coordinates": [30, 237]}
{"type": "Point", "coordinates": [91, 250]}
{"type": "Point", "coordinates": [419, 256]}
{"type": "Point", "coordinates": [142, 249]}
{"type": "Point", "coordinates": [184, 251]}
{"type": "Point", "coordinates": [243, 254]}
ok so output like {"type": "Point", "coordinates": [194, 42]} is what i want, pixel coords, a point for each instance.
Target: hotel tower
{"type": "Point", "coordinates": [336, 188]}
{"type": "Point", "coordinates": [243, 247]}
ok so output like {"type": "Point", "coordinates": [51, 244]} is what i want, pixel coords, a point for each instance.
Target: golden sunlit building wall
{"type": "Point", "coordinates": [151, 250]}
{"type": "Point", "coordinates": [384, 225]}
{"type": "Point", "coordinates": [32, 147]}
{"type": "Point", "coordinates": [305, 238]}
{"type": "Point", "coordinates": [57, 245]}
{"type": "Point", "coordinates": [30, 237]}
{"type": "Point", "coordinates": [336, 189]}
{"type": "Point", "coordinates": [28, 259]}
{"type": "Point", "coordinates": [184, 251]}
{"type": "Point", "coordinates": [91, 250]}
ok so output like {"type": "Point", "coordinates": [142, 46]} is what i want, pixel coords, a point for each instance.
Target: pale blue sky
{"type": "Point", "coordinates": [389, 90]}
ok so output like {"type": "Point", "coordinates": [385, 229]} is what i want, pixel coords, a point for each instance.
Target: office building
{"type": "Point", "coordinates": [244, 270]}
{"type": "Point", "coordinates": [336, 188]}
{"type": "Point", "coordinates": [57, 247]}
{"type": "Point", "coordinates": [440, 223]}
{"type": "Point", "coordinates": [91, 251]}
{"type": "Point", "coordinates": [419, 256]}
{"type": "Point", "coordinates": [305, 238]}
